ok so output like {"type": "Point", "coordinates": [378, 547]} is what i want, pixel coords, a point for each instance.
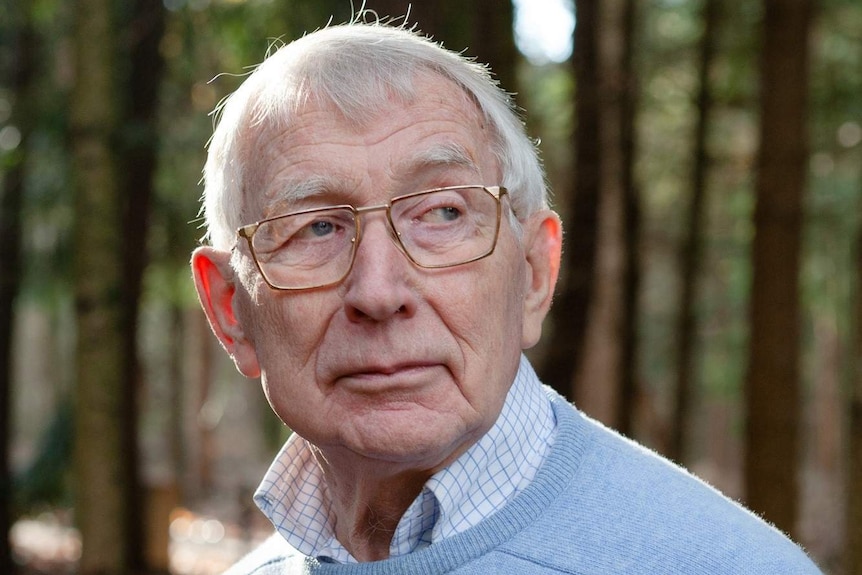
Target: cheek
{"type": "Point", "coordinates": [287, 332]}
{"type": "Point", "coordinates": [487, 314]}
{"type": "Point", "coordinates": [288, 336]}
{"type": "Point", "coordinates": [506, 290]}
{"type": "Point", "coordinates": [493, 345]}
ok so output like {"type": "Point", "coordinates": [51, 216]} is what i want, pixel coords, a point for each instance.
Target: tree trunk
{"type": "Point", "coordinates": [493, 40]}
{"type": "Point", "coordinates": [772, 384]}
{"type": "Point", "coordinates": [631, 228]}
{"type": "Point", "coordinates": [199, 479]}
{"type": "Point", "coordinates": [429, 17]}
{"type": "Point", "coordinates": [599, 374]}
{"type": "Point", "coordinates": [484, 28]}
{"type": "Point", "coordinates": [565, 350]}
{"type": "Point", "coordinates": [11, 200]}
{"type": "Point", "coordinates": [854, 451]}
{"type": "Point", "coordinates": [99, 448]}
{"type": "Point", "coordinates": [139, 150]}
{"type": "Point", "coordinates": [692, 247]}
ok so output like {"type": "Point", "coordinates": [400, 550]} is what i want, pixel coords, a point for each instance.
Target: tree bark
{"type": "Point", "coordinates": [139, 151]}
{"type": "Point", "coordinates": [429, 17]}
{"type": "Point", "coordinates": [99, 446]}
{"type": "Point", "coordinates": [484, 28]}
{"type": "Point", "coordinates": [493, 40]}
{"type": "Point", "coordinates": [772, 385]}
{"type": "Point", "coordinates": [569, 314]}
{"type": "Point", "coordinates": [11, 201]}
{"type": "Point", "coordinates": [629, 391]}
{"type": "Point", "coordinates": [691, 251]}
{"type": "Point", "coordinates": [599, 373]}
{"type": "Point", "coordinates": [854, 451]}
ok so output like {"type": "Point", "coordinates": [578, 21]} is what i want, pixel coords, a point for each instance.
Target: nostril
{"type": "Point", "coordinates": [356, 314]}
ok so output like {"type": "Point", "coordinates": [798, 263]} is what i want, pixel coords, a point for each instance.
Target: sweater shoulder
{"type": "Point", "coordinates": [630, 510]}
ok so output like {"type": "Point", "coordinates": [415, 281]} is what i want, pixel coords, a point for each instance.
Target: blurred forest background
{"type": "Point", "coordinates": [706, 156]}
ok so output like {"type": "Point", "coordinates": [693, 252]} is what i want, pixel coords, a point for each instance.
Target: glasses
{"type": "Point", "coordinates": [437, 228]}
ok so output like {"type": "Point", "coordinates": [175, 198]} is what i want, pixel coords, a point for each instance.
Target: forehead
{"type": "Point", "coordinates": [404, 141]}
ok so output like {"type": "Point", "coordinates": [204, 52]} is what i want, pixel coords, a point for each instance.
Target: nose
{"type": "Point", "coordinates": [378, 287]}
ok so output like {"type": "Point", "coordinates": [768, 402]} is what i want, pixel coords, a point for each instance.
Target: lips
{"type": "Point", "coordinates": [405, 374]}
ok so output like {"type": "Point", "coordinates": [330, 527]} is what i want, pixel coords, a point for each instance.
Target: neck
{"type": "Point", "coordinates": [369, 506]}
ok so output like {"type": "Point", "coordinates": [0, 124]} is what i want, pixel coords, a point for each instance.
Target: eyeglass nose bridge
{"type": "Point", "coordinates": [394, 234]}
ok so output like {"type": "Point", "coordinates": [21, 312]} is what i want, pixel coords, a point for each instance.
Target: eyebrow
{"type": "Point", "coordinates": [446, 155]}
{"type": "Point", "coordinates": [439, 156]}
{"type": "Point", "coordinates": [296, 190]}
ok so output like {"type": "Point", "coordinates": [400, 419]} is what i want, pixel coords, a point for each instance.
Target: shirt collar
{"type": "Point", "coordinates": [490, 473]}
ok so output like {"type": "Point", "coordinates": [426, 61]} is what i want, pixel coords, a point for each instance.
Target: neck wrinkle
{"type": "Point", "coordinates": [366, 514]}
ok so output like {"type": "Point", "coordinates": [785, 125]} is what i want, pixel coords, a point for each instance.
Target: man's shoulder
{"type": "Point", "coordinates": [273, 556]}
{"type": "Point", "coordinates": [633, 503]}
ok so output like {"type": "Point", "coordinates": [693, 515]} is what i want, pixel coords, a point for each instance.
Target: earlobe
{"type": "Point", "coordinates": [543, 240]}
{"type": "Point", "coordinates": [216, 290]}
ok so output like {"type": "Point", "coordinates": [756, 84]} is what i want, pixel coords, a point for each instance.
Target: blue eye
{"type": "Point", "coordinates": [448, 214]}
{"type": "Point", "coordinates": [321, 228]}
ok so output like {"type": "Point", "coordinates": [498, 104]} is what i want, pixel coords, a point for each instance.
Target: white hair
{"type": "Point", "coordinates": [353, 66]}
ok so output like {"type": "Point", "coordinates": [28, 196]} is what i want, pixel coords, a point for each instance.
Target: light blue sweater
{"type": "Point", "coordinates": [600, 504]}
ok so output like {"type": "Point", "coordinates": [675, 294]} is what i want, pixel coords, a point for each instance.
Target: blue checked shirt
{"type": "Point", "coordinates": [293, 494]}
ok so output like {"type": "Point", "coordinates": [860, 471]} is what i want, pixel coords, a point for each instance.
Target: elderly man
{"type": "Point", "coordinates": [381, 252]}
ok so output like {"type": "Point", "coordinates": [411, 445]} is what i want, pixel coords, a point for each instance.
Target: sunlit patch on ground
{"type": "Point", "coordinates": [197, 544]}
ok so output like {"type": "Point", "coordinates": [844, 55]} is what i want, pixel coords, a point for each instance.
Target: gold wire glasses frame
{"type": "Point", "coordinates": [315, 248]}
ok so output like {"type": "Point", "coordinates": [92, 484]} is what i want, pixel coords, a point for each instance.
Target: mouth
{"type": "Point", "coordinates": [401, 375]}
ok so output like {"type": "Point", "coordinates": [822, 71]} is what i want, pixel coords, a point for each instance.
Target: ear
{"type": "Point", "coordinates": [216, 287]}
{"type": "Point", "coordinates": [543, 240]}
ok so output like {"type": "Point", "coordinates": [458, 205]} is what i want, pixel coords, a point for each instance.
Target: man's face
{"type": "Point", "coordinates": [396, 363]}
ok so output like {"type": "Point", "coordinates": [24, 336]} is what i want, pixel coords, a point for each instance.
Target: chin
{"type": "Point", "coordinates": [427, 446]}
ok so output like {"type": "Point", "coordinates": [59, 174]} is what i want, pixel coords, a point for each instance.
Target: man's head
{"type": "Point", "coordinates": [385, 360]}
